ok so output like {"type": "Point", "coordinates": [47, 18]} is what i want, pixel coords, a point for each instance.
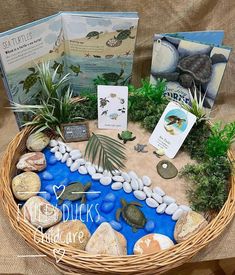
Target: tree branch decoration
{"type": "Point", "coordinates": [106, 152]}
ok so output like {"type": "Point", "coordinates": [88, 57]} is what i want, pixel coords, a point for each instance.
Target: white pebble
{"type": "Point", "coordinates": [100, 169]}
{"type": "Point", "coordinates": [69, 162]}
{"type": "Point", "coordinates": [80, 161]}
{"type": "Point", "coordinates": [151, 203]}
{"type": "Point", "coordinates": [127, 187]}
{"type": "Point", "coordinates": [140, 195]}
{"type": "Point", "coordinates": [185, 208]}
{"type": "Point", "coordinates": [157, 197]}
{"type": "Point", "coordinates": [147, 191]}
{"type": "Point", "coordinates": [54, 149]}
{"type": "Point", "coordinates": [58, 155]}
{"type": "Point", "coordinates": [116, 173]}
{"type": "Point", "coordinates": [88, 163]}
{"type": "Point", "coordinates": [105, 180]}
{"type": "Point", "coordinates": [159, 191]}
{"type": "Point", "coordinates": [118, 178]}
{"type": "Point", "coordinates": [107, 173]}
{"type": "Point", "coordinates": [68, 148]}
{"type": "Point", "coordinates": [171, 208]}
{"type": "Point", "coordinates": [126, 177]}
{"type": "Point", "coordinates": [168, 200]}
{"type": "Point", "coordinates": [161, 208]}
{"type": "Point", "coordinates": [133, 175]}
{"type": "Point", "coordinates": [178, 213]}
{"type": "Point", "coordinates": [74, 166]}
{"type": "Point", "coordinates": [91, 170]}
{"type": "Point", "coordinates": [134, 184]}
{"type": "Point", "coordinates": [97, 176]}
{"type": "Point", "coordinates": [146, 180]}
{"type": "Point", "coordinates": [140, 183]}
{"type": "Point", "coordinates": [65, 157]}
{"type": "Point", "coordinates": [62, 149]}
{"type": "Point", "coordinates": [82, 170]}
{"type": "Point", "coordinates": [53, 143]}
{"type": "Point", "coordinates": [75, 154]}
{"type": "Point", "coordinates": [116, 185]}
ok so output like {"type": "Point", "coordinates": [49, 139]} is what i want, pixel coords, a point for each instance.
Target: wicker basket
{"type": "Point", "coordinates": [80, 262]}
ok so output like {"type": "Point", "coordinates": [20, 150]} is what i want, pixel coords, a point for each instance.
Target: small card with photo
{"type": "Point", "coordinates": [112, 107]}
{"type": "Point", "coordinates": [172, 129]}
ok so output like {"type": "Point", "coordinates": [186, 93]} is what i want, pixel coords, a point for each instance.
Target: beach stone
{"type": "Point", "coordinates": [68, 148]}
{"type": "Point", "coordinates": [140, 195]}
{"type": "Point", "coordinates": [116, 173]}
{"type": "Point", "coordinates": [40, 212]}
{"type": "Point", "coordinates": [88, 163]}
{"type": "Point", "coordinates": [106, 241]}
{"type": "Point", "coordinates": [152, 243]}
{"type": "Point", "coordinates": [106, 180]}
{"type": "Point", "coordinates": [80, 161]}
{"type": "Point", "coordinates": [110, 197]}
{"type": "Point", "coordinates": [82, 170]}
{"type": "Point", "coordinates": [97, 176]}
{"type": "Point", "coordinates": [91, 170]}
{"type": "Point", "coordinates": [54, 149]}
{"type": "Point", "coordinates": [168, 200]}
{"type": "Point", "coordinates": [74, 167]}
{"type": "Point", "coordinates": [116, 185]}
{"type": "Point", "coordinates": [52, 160]}
{"type": "Point", "coordinates": [140, 184]}
{"type": "Point", "coordinates": [65, 157]}
{"type": "Point", "coordinates": [146, 180]}
{"type": "Point", "coordinates": [159, 191]}
{"type": "Point", "coordinates": [149, 226]}
{"type": "Point", "coordinates": [69, 162]}
{"type": "Point", "coordinates": [62, 149]}
{"type": "Point", "coordinates": [36, 142]}
{"type": "Point", "coordinates": [47, 175]}
{"type": "Point", "coordinates": [178, 213]}
{"type": "Point", "coordinates": [127, 187]}
{"type": "Point", "coordinates": [161, 208]}
{"type": "Point", "coordinates": [53, 143]}
{"type": "Point", "coordinates": [133, 175]}
{"type": "Point", "coordinates": [58, 155]}
{"type": "Point", "coordinates": [171, 208]}
{"type": "Point", "coordinates": [166, 169]}
{"type": "Point", "coordinates": [134, 184]}
{"type": "Point", "coordinates": [34, 161]}
{"type": "Point", "coordinates": [188, 224]}
{"type": "Point", "coordinates": [116, 225]}
{"type": "Point", "coordinates": [126, 177]}
{"type": "Point", "coordinates": [157, 197]}
{"type": "Point", "coordinates": [75, 154]}
{"type": "Point", "coordinates": [92, 196]}
{"type": "Point", "coordinates": [185, 208]}
{"type": "Point", "coordinates": [100, 169]}
{"type": "Point", "coordinates": [147, 191]}
{"type": "Point", "coordinates": [73, 233]}
{"type": "Point", "coordinates": [118, 178]}
{"type": "Point", "coordinates": [107, 174]}
{"type": "Point", "coordinates": [25, 182]}
{"type": "Point", "coordinates": [151, 203]}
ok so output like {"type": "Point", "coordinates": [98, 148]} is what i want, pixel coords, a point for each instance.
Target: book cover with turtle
{"type": "Point", "coordinates": [189, 61]}
{"type": "Point", "coordinates": [88, 45]}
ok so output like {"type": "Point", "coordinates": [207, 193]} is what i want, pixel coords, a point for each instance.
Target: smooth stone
{"type": "Point", "coordinates": [92, 196]}
{"type": "Point", "coordinates": [54, 149]}
{"type": "Point", "coordinates": [156, 243]}
{"type": "Point", "coordinates": [82, 170]}
{"type": "Point", "coordinates": [75, 154]}
{"type": "Point", "coordinates": [25, 182]}
{"type": "Point", "coordinates": [46, 196]}
{"type": "Point", "coordinates": [68, 148]}
{"type": "Point", "coordinates": [97, 176]}
{"type": "Point", "coordinates": [62, 149]}
{"type": "Point", "coordinates": [80, 161]}
{"type": "Point", "coordinates": [36, 142]}
{"type": "Point", "coordinates": [132, 175]}
{"type": "Point", "coordinates": [91, 170]}
{"type": "Point", "coordinates": [100, 169]}
{"type": "Point", "coordinates": [171, 208]}
{"type": "Point", "coordinates": [53, 143]}
{"type": "Point", "coordinates": [107, 207]}
{"type": "Point", "coordinates": [106, 241]}
{"type": "Point", "coordinates": [188, 224]}
{"type": "Point", "coordinates": [58, 155]}
{"type": "Point", "coordinates": [34, 161]}
{"type": "Point", "coordinates": [99, 219]}
{"type": "Point", "coordinates": [166, 169]}
{"type": "Point", "coordinates": [40, 212]}
{"type": "Point", "coordinates": [118, 178]}
{"type": "Point", "coordinates": [74, 167]}
{"type": "Point", "coordinates": [47, 176]}
{"type": "Point", "coordinates": [52, 160]}
{"type": "Point", "coordinates": [116, 185]}
{"type": "Point", "coordinates": [73, 233]}
{"type": "Point", "coordinates": [69, 162]}
{"type": "Point", "coordinates": [49, 188]}
{"type": "Point", "coordinates": [105, 180]}
{"type": "Point", "coordinates": [126, 177]}
{"type": "Point", "coordinates": [160, 152]}
{"type": "Point", "coordinates": [127, 187]}
{"type": "Point", "coordinates": [65, 157]}
{"type": "Point", "coordinates": [157, 197]}
{"type": "Point", "coordinates": [107, 174]}
{"type": "Point", "coordinates": [178, 213]}
{"type": "Point", "coordinates": [116, 225]}
{"type": "Point", "coordinates": [110, 197]}
{"type": "Point", "coordinates": [151, 202]}
{"type": "Point", "coordinates": [116, 173]}
{"type": "Point", "coordinates": [140, 195]}
{"type": "Point", "coordinates": [88, 163]}
{"type": "Point", "coordinates": [185, 208]}
{"type": "Point", "coordinates": [161, 208]}
{"type": "Point", "coordinates": [149, 226]}
{"type": "Point", "coordinates": [134, 184]}
{"type": "Point", "coordinates": [168, 200]}
{"type": "Point", "coordinates": [140, 184]}
{"type": "Point", "coordinates": [148, 191]}
{"type": "Point", "coordinates": [146, 180]}
{"type": "Point", "coordinates": [159, 191]}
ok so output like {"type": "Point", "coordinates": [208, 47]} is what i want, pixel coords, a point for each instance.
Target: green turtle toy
{"type": "Point", "coordinates": [124, 34]}
{"type": "Point", "coordinates": [126, 136]}
{"type": "Point", "coordinates": [75, 69]}
{"type": "Point", "coordinates": [113, 77]}
{"type": "Point", "coordinates": [94, 34]}
{"type": "Point", "coordinates": [30, 80]}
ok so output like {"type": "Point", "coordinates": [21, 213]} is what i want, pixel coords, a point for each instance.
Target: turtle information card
{"type": "Point", "coordinates": [112, 107]}
{"type": "Point", "coordinates": [172, 129]}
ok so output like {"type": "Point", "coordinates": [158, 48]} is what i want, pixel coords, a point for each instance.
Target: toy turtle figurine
{"type": "Point", "coordinates": [30, 80]}
{"type": "Point", "coordinates": [103, 102]}
{"type": "Point", "coordinates": [75, 69]}
{"type": "Point", "coordinates": [113, 77]}
{"type": "Point", "coordinates": [140, 148]}
{"type": "Point", "coordinates": [94, 34]}
{"type": "Point", "coordinates": [124, 34]}
{"type": "Point", "coordinates": [131, 214]}
{"type": "Point", "coordinates": [126, 136]}
{"type": "Point", "coordinates": [74, 192]}
{"type": "Point", "coordinates": [59, 67]}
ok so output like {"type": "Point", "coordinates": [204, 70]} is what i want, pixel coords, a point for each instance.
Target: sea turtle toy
{"type": "Point", "coordinates": [94, 34]}
{"type": "Point", "coordinates": [75, 69]}
{"type": "Point", "coordinates": [103, 102]}
{"type": "Point", "coordinates": [140, 148]}
{"type": "Point", "coordinates": [126, 136]}
{"type": "Point", "coordinates": [131, 214]}
{"type": "Point", "coordinates": [30, 80]}
{"type": "Point", "coordinates": [113, 77]}
{"type": "Point", "coordinates": [124, 34]}
{"type": "Point", "coordinates": [74, 191]}
{"type": "Point", "coordinates": [59, 67]}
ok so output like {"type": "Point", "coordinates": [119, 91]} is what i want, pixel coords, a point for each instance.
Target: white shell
{"type": "Point", "coordinates": [157, 197]}
{"type": "Point", "coordinates": [159, 191]}
{"type": "Point", "coordinates": [127, 187]}
{"type": "Point", "coordinates": [140, 183]}
{"type": "Point", "coordinates": [171, 208]}
{"type": "Point", "coordinates": [69, 162]}
{"type": "Point", "coordinates": [134, 184]}
{"type": "Point", "coordinates": [185, 208]}
{"type": "Point", "coordinates": [91, 170]}
{"type": "Point", "coordinates": [75, 154]}
{"type": "Point", "coordinates": [65, 157]}
{"type": "Point", "coordinates": [147, 191]}
{"type": "Point", "coordinates": [74, 166]}
{"type": "Point", "coordinates": [82, 170]}
{"type": "Point", "coordinates": [105, 180]}
{"type": "Point", "coordinates": [140, 195]}
{"type": "Point", "coordinates": [54, 149]}
{"type": "Point", "coordinates": [118, 178]}
{"type": "Point", "coordinates": [133, 175]}
{"type": "Point", "coordinates": [97, 176]}
{"type": "Point", "coordinates": [58, 155]}
{"type": "Point", "coordinates": [146, 180]}
{"type": "Point", "coordinates": [53, 143]}
{"type": "Point", "coordinates": [168, 199]}
{"type": "Point", "coordinates": [177, 214]}
{"type": "Point", "coordinates": [116, 185]}
{"type": "Point", "coordinates": [126, 177]}
{"type": "Point", "coordinates": [62, 149]}
{"type": "Point", "coordinates": [161, 208]}
{"type": "Point", "coordinates": [151, 203]}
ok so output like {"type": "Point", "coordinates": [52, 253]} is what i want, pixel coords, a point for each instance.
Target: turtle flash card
{"type": "Point", "coordinates": [172, 129]}
{"type": "Point", "coordinates": [112, 107]}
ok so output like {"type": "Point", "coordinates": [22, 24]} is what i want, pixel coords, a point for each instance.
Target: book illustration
{"type": "Point", "coordinates": [175, 122]}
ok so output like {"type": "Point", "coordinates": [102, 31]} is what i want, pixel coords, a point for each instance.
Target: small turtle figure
{"type": "Point", "coordinates": [73, 192]}
{"type": "Point", "coordinates": [30, 80]}
{"type": "Point", "coordinates": [126, 136]}
{"type": "Point", "coordinates": [131, 214]}
{"type": "Point", "coordinates": [175, 120]}
{"type": "Point", "coordinates": [75, 69]}
{"type": "Point", "coordinates": [103, 102]}
{"type": "Point", "coordinates": [113, 77]}
{"type": "Point", "coordinates": [94, 34]}
{"type": "Point", "coordinates": [140, 148]}
{"type": "Point", "coordinates": [124, 34]}
{"type": "Point", "coordinates": [59, 67]}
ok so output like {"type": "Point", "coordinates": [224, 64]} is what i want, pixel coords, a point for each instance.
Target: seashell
{"type": "Point", "coordinates": [74, 167]}
{"type": "Point", "coordinates": [105, 180]}
{"type": "Point", "coordinates": [140, 195]}
{"type": "Point", "coordinates": [146, 180]}
{"type": "Point", "coordinates": [75, 154]}
{"type": "Point", "coordinates": [82, 170]}
{"type": "Point", "coordinates": [118, 178]}
{"type": "Point", "coordinates": [53, 143]}
{"type": "Point", "coordinates": [171, 208]}
{"type": "Point", "coordinates": [161, 208]}
{"type": "Point", "coordinates": [177, 214]}
{"type": "Point", "coordinates": [34, 161]}
{"type": "Point", "coordinates": [147, 191]}
{"type": "Point", "coordinates": [91, 170]}
{"type": "Point", "coordinates": [133, 175]}
{"type": "Point", "coordinates": [168, 200]}
{"type": "Point", "coordinates": [116, 185]}
{"type": "Point", "coordinates": [140, 184]}
{"type": "Point", "coordinates": [157, 197]}
{"type": "Point", "coordinates": [151, 203]}
{"type": "Point", "coordinates": [127, 187]}
{"type": "Point", "coordinates": [126, 177]}
{"type": "Point", "coordinates": [36, 142]}
{"type": "Point", "coordinates": [159, 191]}
{"type": "Point", "coordinates": [69, 162]}
{"type": "Point", "coordinates": [97, 176]}
{"type": "Point", "coordinates": [134, 184]}
{"type": "Point", "coordinates": [54, 149]}
{"type": "Point", "coordinates": [58, 155]}
{"type": "Point", "coordinates": [65, 157]}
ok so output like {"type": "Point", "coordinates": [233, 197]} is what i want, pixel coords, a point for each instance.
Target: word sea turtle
{"type": "Point", "coordinates": [126, 136]}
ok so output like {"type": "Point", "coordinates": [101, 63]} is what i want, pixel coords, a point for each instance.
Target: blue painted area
{"type": "Point", "coordinates": [91, 213]}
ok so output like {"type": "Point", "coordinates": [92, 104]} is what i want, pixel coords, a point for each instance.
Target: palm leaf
{"type": "Point", "coordinates": [106, 152]}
